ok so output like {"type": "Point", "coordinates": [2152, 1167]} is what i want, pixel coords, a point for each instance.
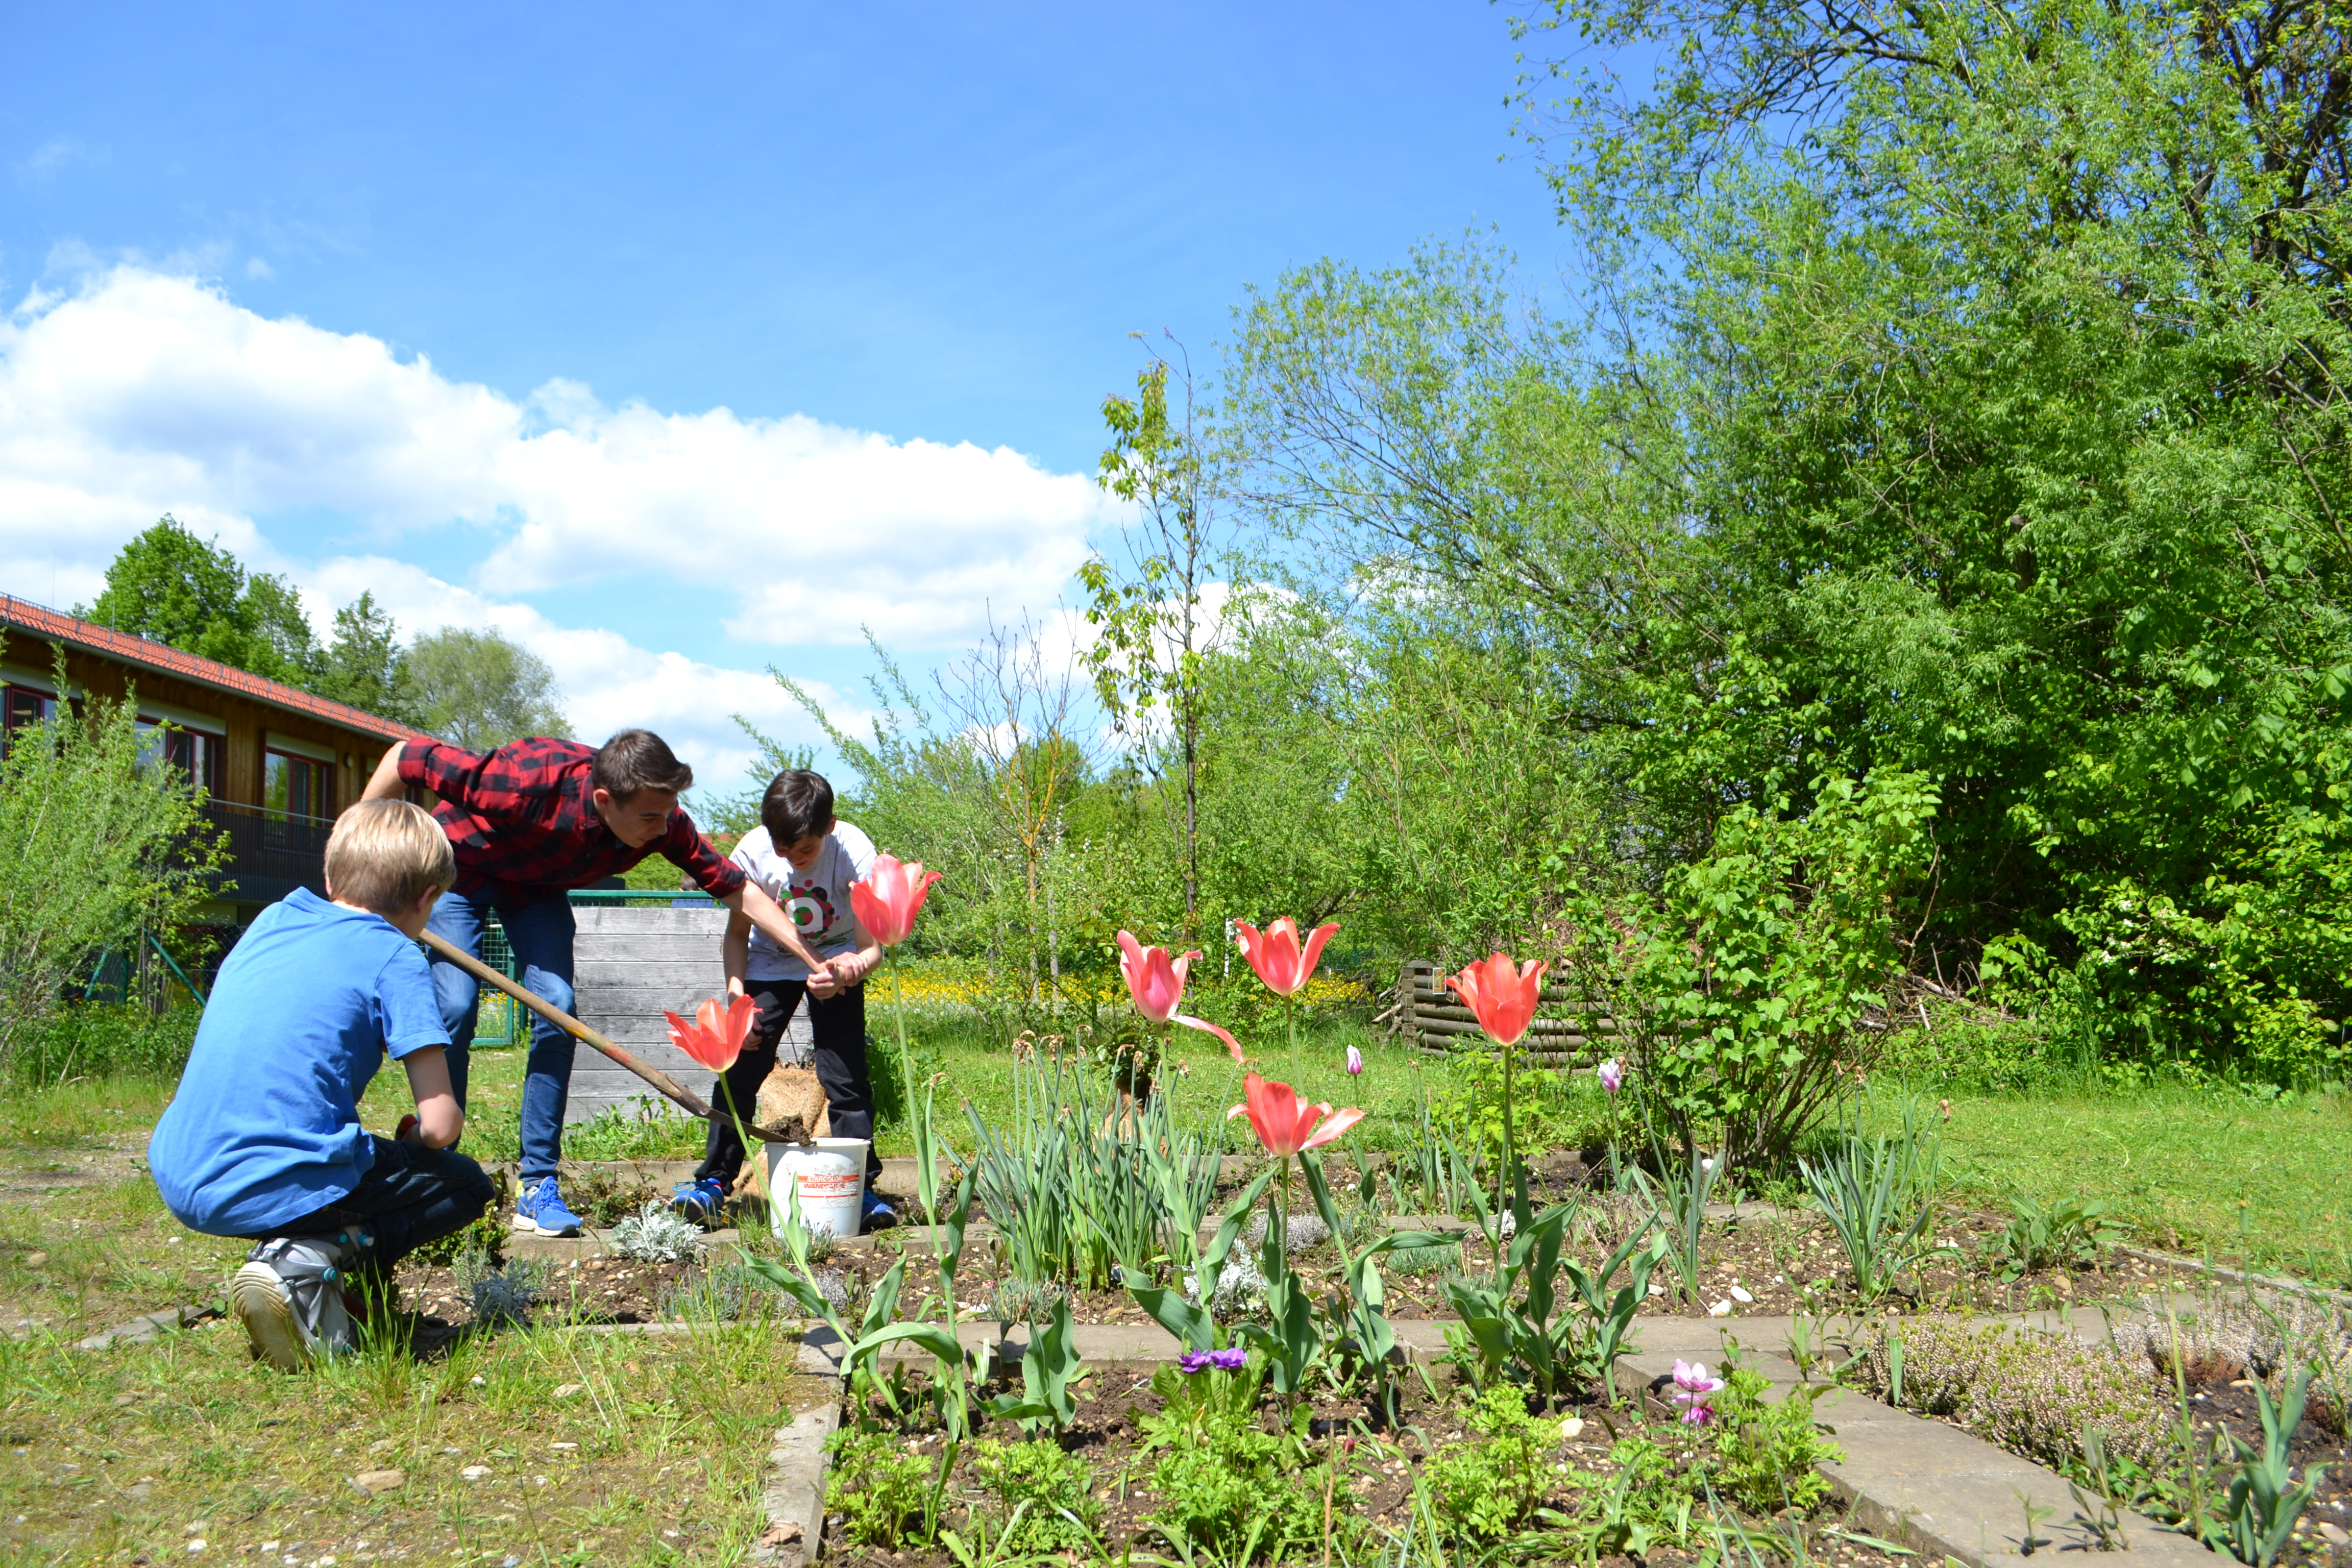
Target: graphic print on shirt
{"type": "Point", "coordinates": [810, 906]}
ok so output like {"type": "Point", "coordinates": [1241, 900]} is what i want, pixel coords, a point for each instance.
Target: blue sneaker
{"type": "Point", "coordinates": [877, 1215]}
{"type": "Point", "coordinates": [540, 1208]}
{"type": "Point", "coordinates": [702, 1200]}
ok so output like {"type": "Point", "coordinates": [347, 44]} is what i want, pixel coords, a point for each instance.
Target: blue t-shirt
{"type": "Point", "coordinates": [264, 1128]}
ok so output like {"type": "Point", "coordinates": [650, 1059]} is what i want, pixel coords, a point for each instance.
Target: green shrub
{"type": "Point", "coordinates": [1764, 1452]}
{"type": "Point", "coordinates": [1236, 1492]}
{"type": "Point", "coordinates": [875, 1487]}
{"type": "Point", "coordinates": [1487, 1490]}
{"type": "Point", "coordinates": [1061, 1511]}
{"type": "Point", "coordinates": [2033, 1396]}
{"type": "Point", "coordinates": [103, 1039]}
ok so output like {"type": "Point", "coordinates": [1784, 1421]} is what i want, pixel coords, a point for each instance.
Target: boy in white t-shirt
{"type": "Point", "coordinates": [805, 860]}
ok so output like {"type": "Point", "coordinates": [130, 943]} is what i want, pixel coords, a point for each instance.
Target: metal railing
{"type": "Point", "coordinates": [270, 853]}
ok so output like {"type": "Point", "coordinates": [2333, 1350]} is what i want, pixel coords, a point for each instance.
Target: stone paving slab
{"type": "Point", "coordinates": [1916, 1481]}
{"type": "Point", "coordinates": [792, 1493]}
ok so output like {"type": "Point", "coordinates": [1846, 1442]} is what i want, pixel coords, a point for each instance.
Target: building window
{"type": "Point", "coordinates": [295, 786]}
{"type": "Point", "coordinates": [25, 708]}
{"type": "Point", "coordinates": [194, 753]}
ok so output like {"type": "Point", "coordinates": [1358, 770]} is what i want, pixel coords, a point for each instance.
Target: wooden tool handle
{"type": "Point", "coordinates": [570, 1026]}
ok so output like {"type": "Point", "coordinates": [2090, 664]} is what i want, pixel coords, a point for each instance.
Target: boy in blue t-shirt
{"type": "Point", "coordinates": [263, 1138]}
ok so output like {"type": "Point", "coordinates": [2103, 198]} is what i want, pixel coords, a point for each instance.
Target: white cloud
{"type": "Point", "coordinates": [607, 682]}
{"type": "Point", "coordinates": [145, 392]}
{"type": "Point", "coordinates": [45, 162]}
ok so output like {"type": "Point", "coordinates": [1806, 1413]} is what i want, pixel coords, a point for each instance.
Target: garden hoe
{"type": "Point", "coordinates": [668, 1086]}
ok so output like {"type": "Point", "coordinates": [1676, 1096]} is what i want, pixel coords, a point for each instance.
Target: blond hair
{"type": "Point", "coordinates": [383, 854]}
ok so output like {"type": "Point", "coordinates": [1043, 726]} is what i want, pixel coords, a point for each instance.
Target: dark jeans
{"type": "Point", "coordinates": [410, 1195]}
{"type": "Point", "coordinates": [838, 1024]}
{"type": "Point", "coordinates": [539, 933]}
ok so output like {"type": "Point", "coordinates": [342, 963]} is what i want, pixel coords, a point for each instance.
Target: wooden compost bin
{"type": "Point", "coordinates": [629, 962]}
{"type": "Point", "coordinates": [1429, 1017]}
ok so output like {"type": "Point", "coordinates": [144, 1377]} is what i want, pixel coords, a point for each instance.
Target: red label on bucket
{"type": "Point", "coordinates": [828, 1184]}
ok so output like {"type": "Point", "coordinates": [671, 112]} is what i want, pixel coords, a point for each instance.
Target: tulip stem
{"type": "Point", "coordinates": [1510, 1147]}
{"type": "Point", "coordinates": [1290, 1021]}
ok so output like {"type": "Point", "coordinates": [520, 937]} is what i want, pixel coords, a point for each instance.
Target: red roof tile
{"type": "Point", "coordinates": [130, 648]}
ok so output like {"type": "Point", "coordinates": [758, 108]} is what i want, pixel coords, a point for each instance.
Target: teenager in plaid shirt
{"type": "Point", "coordinates": [529, 821]}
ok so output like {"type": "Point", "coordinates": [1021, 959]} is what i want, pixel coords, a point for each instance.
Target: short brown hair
{"type": "Point", "coordinates": [639, 759]}
{"type": "Point", "coordinates": [383, 854]}
{"type": "Point", "coordinates": [798, 803]}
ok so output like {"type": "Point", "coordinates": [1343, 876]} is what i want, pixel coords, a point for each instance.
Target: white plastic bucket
{"type": "Point", "coordinates": [829, 1179]}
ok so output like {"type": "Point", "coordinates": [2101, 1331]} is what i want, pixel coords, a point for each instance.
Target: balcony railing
{"type": "Point", "coordinates": [270, 853]}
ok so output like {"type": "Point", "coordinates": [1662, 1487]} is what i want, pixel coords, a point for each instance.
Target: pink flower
{"type": "Point", "coordinates": [1284, 1123]}
{"type": "Point", "coordinates": [1612, 1077]}
{"type": "Point", "coordinates": [1155, 980]}
{"type": "Point", "coordinates": [1502, 996]}
{"type": "Point", "coordinates": [1355, 1062]}
{"type": "Point", "coordinates": [1276, 954]}
{"type": "Point", "coordinates": [890, 897]}
{"type": "Point", "coordinates": [716, 1037]}
{"type": "Point", "coordinates": [1693, 1385]}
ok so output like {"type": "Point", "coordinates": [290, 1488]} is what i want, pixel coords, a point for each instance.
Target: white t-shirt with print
{"type": "Point", "coordinates": [815, 901]}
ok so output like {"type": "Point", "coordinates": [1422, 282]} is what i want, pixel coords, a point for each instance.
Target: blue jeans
{"type": "Point", "coordinates": [539, 933]}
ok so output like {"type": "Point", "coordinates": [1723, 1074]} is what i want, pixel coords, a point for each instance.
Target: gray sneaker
{"type": "Point", "coordinates": [289, 1296]}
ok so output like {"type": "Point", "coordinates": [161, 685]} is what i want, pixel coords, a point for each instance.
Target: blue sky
{"type": "Point", "coordinates": [262, 263]}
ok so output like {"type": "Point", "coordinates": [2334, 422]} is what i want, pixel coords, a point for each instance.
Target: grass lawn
{"type": "Point", "coordinates": [2192, 1170]}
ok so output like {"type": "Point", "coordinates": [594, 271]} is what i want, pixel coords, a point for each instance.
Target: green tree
{"type": "Point", "coordinates": [103, 846]}
{"type": "Point", "coordinates": [365, 666]}
{"type": "Point", "coordinates": [170, 585]}
{"type": "Point", "coordinates": [1152, 619]}
{"type": "Point", "coordinates": [476, 689]}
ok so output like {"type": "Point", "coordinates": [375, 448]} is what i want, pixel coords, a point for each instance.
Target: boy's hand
{"type": "Point", "coordinates": [823, 984]}
{"type": "Point", "coordinates": [406, 1132]}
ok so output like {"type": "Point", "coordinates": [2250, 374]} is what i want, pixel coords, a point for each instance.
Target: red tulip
{"type": "Point", "coordinates": [1283, 1124]}
{"type": "Point", "coordinates": [1503, 998]}
{"type": "Point", "coordinates": [1275, 954]}
{"type": "Point", "coordinates": [1155, 980]}
{"type": "Point", "coordinates": [890, 897]}
{"type": "Point", "coordinates": [716, 1037]}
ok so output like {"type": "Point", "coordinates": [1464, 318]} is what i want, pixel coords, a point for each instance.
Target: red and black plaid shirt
{"type": "Point", "coordinates": [524, 825]}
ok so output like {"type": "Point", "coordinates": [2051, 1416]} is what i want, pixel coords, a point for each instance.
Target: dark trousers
{"type": "Point", "coordinates": [410, 1195]}
{"type": "Point", "coordinates": [838, 1024]}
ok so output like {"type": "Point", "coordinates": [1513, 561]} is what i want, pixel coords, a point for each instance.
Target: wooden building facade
{"type": "Point", "coordinates": [276, 764]}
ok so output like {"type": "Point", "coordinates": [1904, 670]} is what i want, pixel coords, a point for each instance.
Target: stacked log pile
{"type": "Point", "coordinates": [1428, 1017]}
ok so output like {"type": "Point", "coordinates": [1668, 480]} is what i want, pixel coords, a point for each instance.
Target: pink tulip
{"type": "Point", "coordinates": [716, 1037]}
{"type": "Point", "coordinates": [1284, 1123]}
{"type": "Point", "coordinates": [1612, 1077]}
{"type": "Point", "coordinates": [1276, 955]}
{"type": "Point", "coordinates": [1355, 1062]}
{"type": "Point", "coordinates": [1693, 1385]}
{"type": "Point", "coordinates": [890, 897]}
{"type": "Point", "coordinates": [1155, 980]}
{"type": "Point", "coordinates": [1503, 998]}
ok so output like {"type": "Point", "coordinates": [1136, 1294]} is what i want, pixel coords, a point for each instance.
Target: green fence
{"type": "Point", "coordinates": [502, 1021]}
